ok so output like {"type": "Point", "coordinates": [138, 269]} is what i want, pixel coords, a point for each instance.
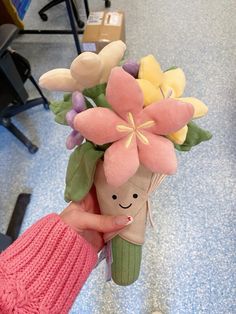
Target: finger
{"type": "Point", "coordinates": [89, 203]}
{"type": "Point", "coordinates": [103, 223]}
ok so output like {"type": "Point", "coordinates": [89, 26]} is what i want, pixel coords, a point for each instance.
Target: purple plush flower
{"type": "Point", "coordinates": [74, 139]}
{"type": "Point", "coordinates": [78, 101]}
{"type": "Point", "coordinates": [132, 67]}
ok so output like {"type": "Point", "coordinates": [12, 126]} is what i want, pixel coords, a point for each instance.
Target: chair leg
{"type": "Point", "coordinates": [73, 26]}
{"type": "Point", "coordinates": [86, 5]}
{"type": "Point", "coordinates": [79, 22]}
{"type": "Point", "coordinates": [47, 7]}
{"type": "Point", "coordinates": [21, 107]}
{"type": "Point", "coordinates": [5, 241]}
{"type": "Point", "coordinates": [18, 215]}
{"type": "Point", "coordinates": [45, 101]}
{"type": "Point", "coordinates": [107, 3]}
{"type": "Point", "coordinates": [6, 122]}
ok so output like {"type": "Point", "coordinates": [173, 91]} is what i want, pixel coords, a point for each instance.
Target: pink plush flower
{"type": "Point", "coordinates": [137, 134]}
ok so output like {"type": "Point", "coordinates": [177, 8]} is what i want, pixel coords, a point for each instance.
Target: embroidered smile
{"type": "Point", "coordinates": [125, 207]}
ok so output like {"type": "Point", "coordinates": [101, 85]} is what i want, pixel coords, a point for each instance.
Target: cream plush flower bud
{"type": "Point", "coordinates": [87, 70]}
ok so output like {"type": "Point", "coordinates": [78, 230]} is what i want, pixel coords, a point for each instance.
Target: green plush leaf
{"type": "Point", "coordinates": [195, 136]}
{"type": "Point", "coordinates": [101, 101]}
{"type": "Point", "coordinates": [80, 171]}
{"type": "Point", "coordinates": [103, 147]}
{"type": "Point", "coordinates": [58, 106]}
{"type": "Point", "coordinates": [172, 68]}
{"type": "Point", "coordinates": [61, 117]}
{"type": "Point", "coordinates": [95, 91]}
{"type": "Point", "coordinates": [60, 109]}
{"type": "Point", "coordinates": [88, 104]}
{"type": "Point", "coordinates": [97, 94]}
{"type": "Point", "coordinates": [67, 97]}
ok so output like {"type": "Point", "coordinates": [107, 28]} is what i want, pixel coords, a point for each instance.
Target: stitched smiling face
{"type": "Point", "coordinates": [115, 197]}
{"type": "Point", "coordinates": [126, 199]}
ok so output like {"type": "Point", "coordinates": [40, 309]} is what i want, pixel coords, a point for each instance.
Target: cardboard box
{"type": "Point", "coordinates": [101, 29]}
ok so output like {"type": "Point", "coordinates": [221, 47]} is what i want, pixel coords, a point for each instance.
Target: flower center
{"type": "Point", "coordinates": [135, 130]}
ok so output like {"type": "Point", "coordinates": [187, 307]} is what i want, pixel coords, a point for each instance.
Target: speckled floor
{"type": "Point", "coordinates": [189, 262]}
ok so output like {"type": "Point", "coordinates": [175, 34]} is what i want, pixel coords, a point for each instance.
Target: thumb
{"type": "Point", "coordinates": [103, 223]}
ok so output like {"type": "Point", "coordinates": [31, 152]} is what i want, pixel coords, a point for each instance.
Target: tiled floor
{"type": "Point", "coordinates": [189, 260]}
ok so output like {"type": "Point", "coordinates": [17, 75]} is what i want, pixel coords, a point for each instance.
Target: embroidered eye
{"type": "Point", "coordinates": [135, 195]}
{"type": "Point", "coordinates": [114, 197]}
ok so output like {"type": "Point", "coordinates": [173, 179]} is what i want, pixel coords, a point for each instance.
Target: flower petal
{"type": "Point", "coordinates": [99, 125]}
{"type": "Point", "coordinates": [110, 56]}
{"type": "Point", "coordinates": [150, 70]}
{"type": "Point", "coordinates": [123, 93]}
{"type": "Point", "coordinates": [159, 155]}
{"type": "Point", "coordinates": [151, 94]}
{"type": "Point", "coordinates": [174, 79]}
{"type": "Point", "coordinates": [200, 109]}
{"type": "Point", "coordinates": [179, 136]}
{"type": "Point", "coordinates": [86, 69]}
{"type": "Point", "coordinates": [169, 115]}
{"type": "Point", "coordinates": [121, 162]}
{"type": "Point", "coordinates": [59, 80]}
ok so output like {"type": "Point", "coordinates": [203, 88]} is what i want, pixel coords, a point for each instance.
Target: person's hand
{"type": "Point", "coordinates": [84, 217]}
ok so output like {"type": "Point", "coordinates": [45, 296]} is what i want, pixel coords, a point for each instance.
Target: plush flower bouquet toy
{"type": "Point", "coordinates": [126, 123]}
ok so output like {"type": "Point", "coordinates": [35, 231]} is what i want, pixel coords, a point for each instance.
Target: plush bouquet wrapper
{"type": "Point", "coordinates": [131, 199]}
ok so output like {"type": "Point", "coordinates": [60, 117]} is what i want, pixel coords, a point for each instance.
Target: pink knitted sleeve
{"type": "Point", "coordinates": [44, 269]}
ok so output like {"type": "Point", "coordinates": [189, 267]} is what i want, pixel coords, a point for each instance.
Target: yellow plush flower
{"type": "Point", "coordinates": [157, 85]}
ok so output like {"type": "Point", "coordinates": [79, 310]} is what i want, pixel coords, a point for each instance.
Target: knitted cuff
{"type": "Point", "coordinates": [45, 268]}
